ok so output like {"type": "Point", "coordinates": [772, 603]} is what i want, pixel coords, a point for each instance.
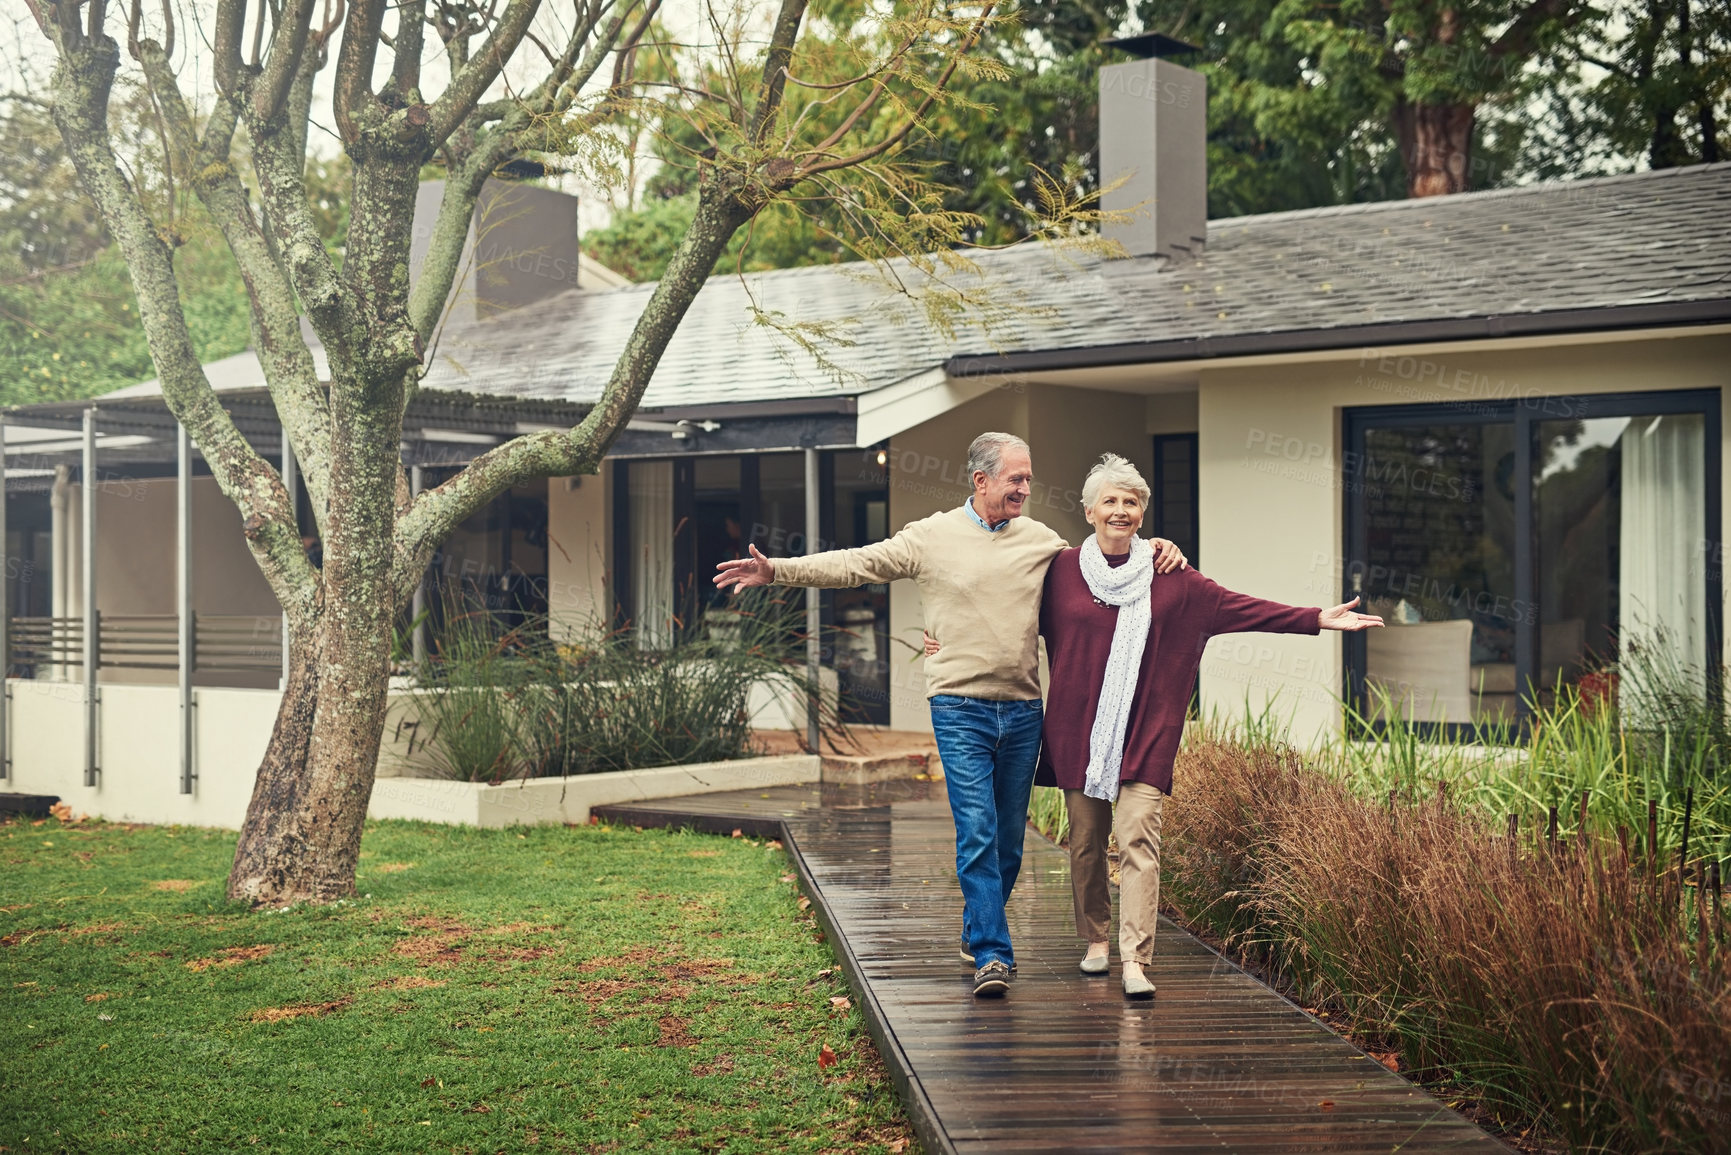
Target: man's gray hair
{"type": "Point", "coordinates": [986, 454]}
{"type": "Point", "coordinates": [1118, 473]}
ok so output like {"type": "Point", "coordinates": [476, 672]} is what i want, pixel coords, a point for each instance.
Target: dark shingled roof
{"type": "Point", "coordinates": [1615, 252]}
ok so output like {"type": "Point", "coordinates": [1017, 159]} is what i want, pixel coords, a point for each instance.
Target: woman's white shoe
{"type": "Point", "coordinates": [1136, 984]}
{"type": "Point", "coordinates": [1095, 964]}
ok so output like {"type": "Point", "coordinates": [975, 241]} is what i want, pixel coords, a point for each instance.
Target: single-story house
{"type": "Point", "coordinates": [1495, 416]}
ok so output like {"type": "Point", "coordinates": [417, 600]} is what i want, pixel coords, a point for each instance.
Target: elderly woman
{"type": "Point", "coordinates": [1124, 646]}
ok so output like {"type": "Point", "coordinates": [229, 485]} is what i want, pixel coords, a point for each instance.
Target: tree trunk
{"type": "Point", "coordinates": [302, 834]}
{"type": "Point", "coordinates": [1436, 142]}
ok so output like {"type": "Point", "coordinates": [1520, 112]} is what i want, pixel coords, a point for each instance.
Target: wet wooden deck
{"type": "Point", "coordinates": [1217, 1062]}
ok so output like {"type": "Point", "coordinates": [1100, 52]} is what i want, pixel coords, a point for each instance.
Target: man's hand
{"type": "Point", "coordinates": [1167, 556]}
{"type": "Point", "coordinates": [743, 573]}
{"type": "Point", "coordinates": [1345, 619]}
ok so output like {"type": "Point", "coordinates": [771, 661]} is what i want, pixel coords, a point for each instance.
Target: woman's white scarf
{"type": "Point", "coordinates": [1126, 586]}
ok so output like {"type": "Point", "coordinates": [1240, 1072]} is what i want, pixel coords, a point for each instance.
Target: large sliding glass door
{"type": "Point", "coordinates": [1517, 548]}
{"type": "Point", "coordinates": [675, 519]}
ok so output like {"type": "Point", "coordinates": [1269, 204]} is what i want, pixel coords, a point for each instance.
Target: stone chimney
{"type": "Point", "coordinates": [522, 246]}
{"type": "Point", "coordinates": [1154, 133]}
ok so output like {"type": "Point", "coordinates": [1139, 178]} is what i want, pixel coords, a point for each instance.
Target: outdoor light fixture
{"type": "Point", "coordinates": [678, 430]}
{"type": "Point", "coordinates": [883, 457]}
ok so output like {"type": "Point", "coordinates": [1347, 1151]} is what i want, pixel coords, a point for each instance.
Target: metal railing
{"type": "Point", "coordinates": [222, 643]}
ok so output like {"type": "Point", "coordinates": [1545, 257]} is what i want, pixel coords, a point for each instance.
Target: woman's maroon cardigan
{"type": "Point", "coordinates": [1187, 610]}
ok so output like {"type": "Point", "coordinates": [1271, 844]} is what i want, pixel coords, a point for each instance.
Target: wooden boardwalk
{"type": "Point", "coordinates": [1217, 1062]}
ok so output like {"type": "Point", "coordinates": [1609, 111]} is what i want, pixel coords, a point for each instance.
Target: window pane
{"type": "Point", "coordinates": [780, 528]}
{"type": "Point", "coordinates": [1621, 504]}
{"type": "Point", "coordinates": [861, 617]}
{"type": "Point", "coordinates": [1439, 520]}
{"type": "Point", "coordinates": [716, 509]}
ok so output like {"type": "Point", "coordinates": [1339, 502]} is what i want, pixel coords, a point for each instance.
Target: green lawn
{"type": "Point", "coordinates": [540, 989]}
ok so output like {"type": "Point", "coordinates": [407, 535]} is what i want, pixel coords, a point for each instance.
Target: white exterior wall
{"type": "Point", "coordinates": [1271, 501]}
{"type": "Point", "coordinates": [135, 562]}
{"type": "Point", "coordinates": [579, 540]}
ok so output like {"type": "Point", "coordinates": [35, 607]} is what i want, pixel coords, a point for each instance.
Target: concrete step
{"type": "Point", "coordinates": [872, 769]}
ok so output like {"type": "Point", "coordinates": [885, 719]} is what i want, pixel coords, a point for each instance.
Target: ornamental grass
{"type": "Point", "coordinates": [1580, 982]}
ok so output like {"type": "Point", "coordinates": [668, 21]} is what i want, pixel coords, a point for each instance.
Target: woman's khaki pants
{"type": "Point", "coordinates": [1137, 825]}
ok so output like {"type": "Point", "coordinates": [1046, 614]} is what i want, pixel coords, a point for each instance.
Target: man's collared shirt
{"type": "Point", "coordinates": [980, 521]}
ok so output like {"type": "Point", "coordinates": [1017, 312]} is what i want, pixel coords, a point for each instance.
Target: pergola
{"type": "Point", "coordinates": [133, 430]}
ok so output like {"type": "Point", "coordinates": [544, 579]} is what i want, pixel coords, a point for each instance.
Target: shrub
{"type": "Point", "coordinates": [505, 704]}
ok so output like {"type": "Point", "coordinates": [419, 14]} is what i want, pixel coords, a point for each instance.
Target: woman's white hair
{"type": "Point", "coordinates": [1117, 473]}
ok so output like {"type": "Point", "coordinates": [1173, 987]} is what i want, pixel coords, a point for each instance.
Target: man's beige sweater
{"type": "Point", "coordinates": [981, 592]}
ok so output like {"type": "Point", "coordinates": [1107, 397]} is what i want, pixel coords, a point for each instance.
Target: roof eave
{"type": "Point", "coordinates": [1505, 325]}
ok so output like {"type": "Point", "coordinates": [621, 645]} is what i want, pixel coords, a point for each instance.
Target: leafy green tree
{"type": "Point", "coordinates": [69, 325]}
{"type": "Point", "coordinates": [1665, 95]}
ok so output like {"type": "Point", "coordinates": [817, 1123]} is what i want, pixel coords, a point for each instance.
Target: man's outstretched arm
{"type": "Point", "coordinates": [882, 561]}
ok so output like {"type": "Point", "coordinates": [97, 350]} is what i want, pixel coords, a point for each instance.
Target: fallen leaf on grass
{"type": "Point", "coordinates": [825, 1058]}
{"type": "Point", "coordinates": [841, 1003]}
{"type": "Point", "coordinates": [787, 878]}
{"type": "Point", "coordinates": [63, 812]}
{"type": "Point", "coordinates": [94, 998]}
{"type": "Point", "coordinates": [737, 833]}
{"type": "Point", "coordinates": [297, 1011]}
{"type": "Point", "coordinates": [431, 1081]}
{"type": "Point", "coordinates": [231, 957]}
{"type": "Point", "coordinates": [804, 902]}
{"type": "Point", "coordinates": [773, 844]}
{"type": "Point", "coordinates": [177, 885]}
{"type": "Point", "coordinates": [1390, 1060]}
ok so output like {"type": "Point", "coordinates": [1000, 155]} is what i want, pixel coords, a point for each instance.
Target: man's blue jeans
{"type": "Point", "coordinates": [989, 750]}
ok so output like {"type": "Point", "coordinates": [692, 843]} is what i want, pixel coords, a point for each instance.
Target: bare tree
{"type": "Point", "coordinates": [301, 837]}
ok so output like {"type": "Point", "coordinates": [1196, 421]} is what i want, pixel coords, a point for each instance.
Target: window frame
{"type": "Point", "coordinates": [1525, 414]}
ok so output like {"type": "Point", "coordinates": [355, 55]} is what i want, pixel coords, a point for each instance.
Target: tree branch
{"type": "Point", "coordinates": [1520, 39]}
{"type": "Point", "coordinates": [468, 86]}
{"type": "Point", "coordinates": [438, 511]}
{"type": "Point", "coordinates": [84, 78]}
{"type": "Point", "coordinates": [287, 44]}
{"type": "Point", "coordinates": [353, 101]}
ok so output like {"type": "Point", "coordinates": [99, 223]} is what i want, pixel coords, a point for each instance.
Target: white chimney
{"type": "Point", "coordinates": [1154, 133]}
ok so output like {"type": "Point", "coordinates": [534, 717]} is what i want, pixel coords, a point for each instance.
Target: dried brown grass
{"type": "Point", "coordinates": [1563, 983]}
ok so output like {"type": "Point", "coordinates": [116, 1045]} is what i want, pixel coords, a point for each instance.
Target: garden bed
{"type": "Point", "coordinates": [567, 800]}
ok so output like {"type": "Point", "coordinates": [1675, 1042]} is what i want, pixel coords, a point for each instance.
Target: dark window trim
{"type": "Point", "coordinates": [1525, 414]}
{"type": "Point", "coordinates": [1161, 441]}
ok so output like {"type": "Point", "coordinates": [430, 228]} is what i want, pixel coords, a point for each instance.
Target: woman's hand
{"type": "Point", "coordinates": [1167, 556]}
{"type": "Point", "coordinates": [931, 643]}
{"type": "Point", "coordinates": [1345, 619]}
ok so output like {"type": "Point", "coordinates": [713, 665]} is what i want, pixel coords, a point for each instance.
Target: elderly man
{"type": "Point", "coordinates": [981, 568]}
